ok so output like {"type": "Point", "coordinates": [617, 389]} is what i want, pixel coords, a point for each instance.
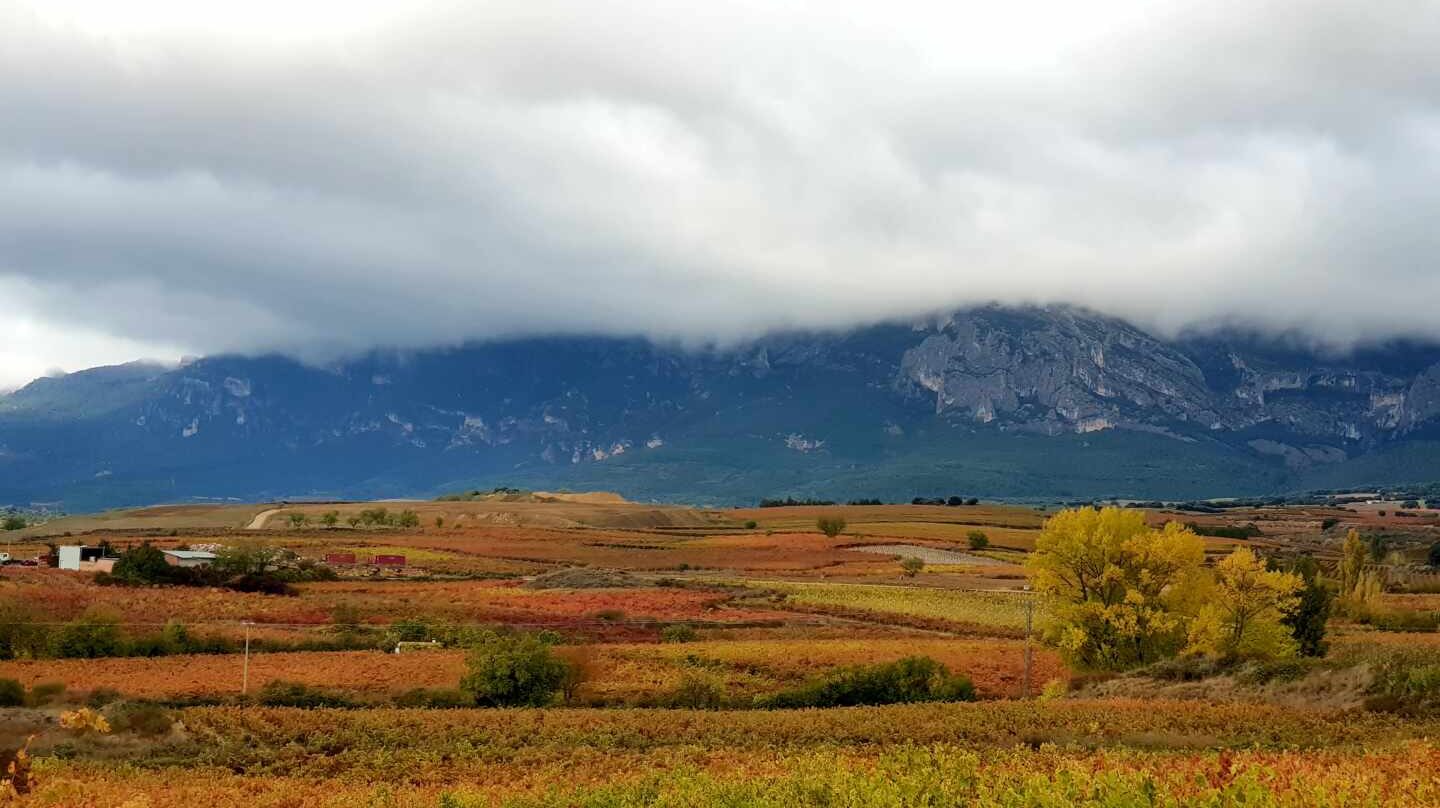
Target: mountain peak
{"type": "Point", "coordinates": [994, 400]}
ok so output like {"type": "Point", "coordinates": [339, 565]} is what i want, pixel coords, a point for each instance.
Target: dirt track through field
{"type": "Point", "coordinates": [261, 518]}
{"type": "Point", "coordinates": [930, 555]}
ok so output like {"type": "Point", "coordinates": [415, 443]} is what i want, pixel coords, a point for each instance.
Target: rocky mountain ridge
{"type": "Point", "coordinates": [996, 401]}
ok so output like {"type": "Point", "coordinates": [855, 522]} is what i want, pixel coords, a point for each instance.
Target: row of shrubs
{"type": "Point", "coordinates": [97, 635]}
{"type": "Point", "coordinates": [519, 671]}
{"type": "Point", "coordinates": [509, 670]}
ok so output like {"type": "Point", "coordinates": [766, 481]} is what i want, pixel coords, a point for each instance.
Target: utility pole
{"type": "Point", "coordinates": [245, 673]}
{"type": "Point", "coordinates": [1029, 620]}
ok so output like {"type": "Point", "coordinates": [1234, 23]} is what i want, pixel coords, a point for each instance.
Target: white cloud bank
{"type": "Point", "coordinates": [326, 177]}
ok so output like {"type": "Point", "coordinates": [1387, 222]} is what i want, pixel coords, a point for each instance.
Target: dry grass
{"type": "Point", "coordinates": [161, 517]}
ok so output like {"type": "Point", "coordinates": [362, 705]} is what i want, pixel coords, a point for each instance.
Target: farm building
{"type": "Point", "coordinates": [189, 558]}
{"type": "Point", "coordinates": [80, 558]}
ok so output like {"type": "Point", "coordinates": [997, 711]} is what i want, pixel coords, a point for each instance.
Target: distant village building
{"type": "Point", "coordinates": [189, 558]}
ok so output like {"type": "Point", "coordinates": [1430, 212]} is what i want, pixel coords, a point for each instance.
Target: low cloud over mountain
{"type": "Point", "coordinates": [322, 182]}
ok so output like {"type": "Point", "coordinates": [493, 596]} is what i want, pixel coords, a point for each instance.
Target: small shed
{"type": "Point", "coordinates": [189, 558]}
{"type": "Point", "coordinates": [82, 558]}
{"type": "Point", "coordinates": [388, 561]}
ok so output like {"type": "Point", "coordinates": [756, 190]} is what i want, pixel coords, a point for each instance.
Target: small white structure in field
{"type": "Point", "coordinates": [69, 557]}
{"type": "Point", "coordinates": [189, 558]}
{"type": "Point", "coordinates": [79, 558]}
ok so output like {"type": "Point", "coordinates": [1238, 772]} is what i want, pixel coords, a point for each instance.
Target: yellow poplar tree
{"type": "Point", "coordinates": [1352, 562]}
{"type": "Point", "coordinates": [1244, 613]}
{"type": "Point", "coordinates": [1116, 585]}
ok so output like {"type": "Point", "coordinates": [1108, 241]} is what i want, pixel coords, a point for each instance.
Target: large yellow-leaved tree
{"type": "Point", "coordinates": [1120, 589]}
{"type": "Point", "coordinates": [1244, 613]}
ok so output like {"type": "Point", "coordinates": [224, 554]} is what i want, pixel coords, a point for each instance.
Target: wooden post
{"type": "Point", "coordinates": [1029, 621]}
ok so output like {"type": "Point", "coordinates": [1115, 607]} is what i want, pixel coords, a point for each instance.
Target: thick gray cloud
{"type": "Point", "coordinates": [707, 173]}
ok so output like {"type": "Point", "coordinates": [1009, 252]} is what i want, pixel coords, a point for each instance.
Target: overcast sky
{"type": "Point", "coordinates": [322, 177]}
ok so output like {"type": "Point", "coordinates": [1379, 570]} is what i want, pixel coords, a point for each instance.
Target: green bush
{"type": "Point", "coordinates": [280, 693]}
{"type": "Point", "coordinates": [142, 718]}
{"type": "Point", "coordinates": [20, 634]}
{"type": "Point", "coordinates": [89, 637]}
{"type": "Point", "coordinates": [1185, 669]}
{"type": "Point", "coordinates": [697, 691]}
{"type": "Point", "coordinates": [977, 539]}
{"type": "Point", "coordinates": [831, 526]}
{"type": "Point", "coordinates": [12, 693]}
{"type": "Point", "coordinates": [102, 696]}
{"type": "Point", "coordinates": [434, 699]}
{"type": "Point", "coordinates": [410, 629]}
{"type": "Point", "coordinates": [1407, 681]}
{"type": "Point", "coordinates": [375, 516]}
{"type": "Point", "coordinates": [910, 566]}
{"type": "Point", "coordinates": [677, 633]}
{"type": "Point", "coordinates": [913, 679]}
{"type": "Point", "coordinates": [142, 565]}
{"type": "Point", "coordinates": [512, 671]}
{"type": "Point", "coordinates": [751, 524]}
{"type": "Point", "coordinates": [45, 692]}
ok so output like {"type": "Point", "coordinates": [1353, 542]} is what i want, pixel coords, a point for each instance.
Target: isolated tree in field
{"type": "Point", "coordinates": [408, 519]}
{"type": "Point", "coordinates": [1353, 556]}
{"type": "Point", "coordinates": [13, 522]}
{"type": "Point", "coordinates": [353, 521]}
{"type": "Point", "coordinates": [512, 671]}
{"type": "Point", "coordinates": [142, 565]}
{"type": "Point", "coordinates": [911, 566]}
{"type": "Point", "coordinates": [298, 520]}
{"type": "Point", "coordinates": [1120, 588]}
{"type": "Point", "coordinates": [978, 540]}
{"type": "Point", "coordinates": [1311, 616]}
{"type": "Point", "coordinates": [579, 668]}
{"type": "Point", "coordinates": [1378, 547]}
{"type": "Point", "coordinates": [246, 557]}
{"type": "Point", "coordinates": [330, 518]}
{"type": "Point", "coordinates": [1243, 617]}
{"type": "Point", "coordinates": [831, 526]}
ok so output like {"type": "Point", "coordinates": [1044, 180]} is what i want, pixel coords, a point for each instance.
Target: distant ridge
{"type": "Point", "coordinates": [992, 402]}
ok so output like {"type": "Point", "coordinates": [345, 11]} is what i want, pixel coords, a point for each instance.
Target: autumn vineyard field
{"type": "Point", "coordinates": [701, 658]}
